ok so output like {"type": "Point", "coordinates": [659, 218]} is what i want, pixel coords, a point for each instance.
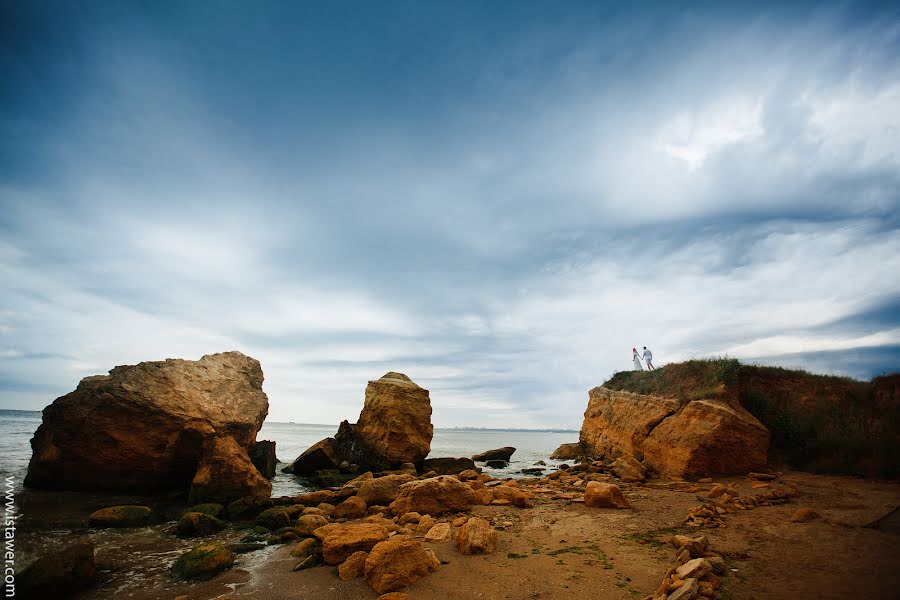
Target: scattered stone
{"type": "Point", "coordinates": [248, 507]}
{"type": "Point", "coordinates": [345, 540]}
{"type": "Point", "coordinates": [477, 537]}
{"type": "Point", "coordinates": [274, 518]}
{"type": "Point", "coordinates": [438, 533]}
{"type": "Point", "coordinates": [686, 591]}
{"type": "Point", "coordinates": [433, 496]}
{"type": "Point", "coordinates": [717, 563]}
{"type": "Point", "coordinates": [353, 507]}
{"type": "Point", "coordinates": [410, 517]}
{"type": "Point", "coordinates": [193, 524]}
{"type": "Point", "coordinates": [203, 561]}
{"type": "Point", "coordinates": [58, 575]}
{"type": "Point", "coordinates": [467, 475]}
{"type": "Point", "coordinates": [446, 466]}
{"type": "Point", "coordinates": [503, 454]}
{"type": "Point", "coordinates": [315, 498]}
{"type": "Point", "coordinates": [354, 566]}
{"type": "Point", "coordinates": [397, 563]}
{"type": "Point", "coordinates": [696, 568]}
{"type": "Point", "coordinates": [803, 515]}
{"type": "Point", "coordinates": [605, 495]}
{"type": "Point", "coordinates": [121, 516]}
{"type": "Point", "coordinates": [312, 560]}
{"type": "Point", "coordinates": [425, 523]}
{"type": "Point", "coordinates": [212, 509]}
{"type": "Point", "coordinates": [393, 596]}
{"type": "Point", "coordinates": [705, 480]}
{"type": "Point", "coordinates": [307, 524]}
{"type": "Point", "coordinates": [761, 476]}
{"type": "Point", "coordinates": [568, 452]}
{"type": "Point", "coordinates": [305, 548]}
{"type": "Point", "coordinates": [245, 547]}
{"type": "Point", "coordinates": [383, 490]}
{"type": "Point", "coordinates": [516, 497]}
{"type": "Point", "coordinates": [628, 469]}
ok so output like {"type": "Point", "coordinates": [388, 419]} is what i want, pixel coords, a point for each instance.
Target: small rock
{"type": "Point", "coordinates": [397, 563]}
{"type": "Point", "coordinates": [351, 508]}
{"type": "Point", "coordinates": [439, 533]}
{"type": "Point", "coordinates": [121, 516]}
{"type": "Point", "coordinates": [695, 568]}
{"type": "Point", "coordinates": [803, 515]}
{"type": "Point", "coordinates": [477, 537]}
{"type": "Point", "coordinates": [203, 561]}
{"type": "Point", "coordinates": [193, 524]}
{"type": "Point", "coordinates": [687, 591]}
{"type": "Point", "coordinates": [307, 524]}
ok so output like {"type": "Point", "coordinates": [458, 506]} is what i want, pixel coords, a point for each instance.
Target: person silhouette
{"type": "Point", "coordinates": [637, 360]}
{"type": "Point", "coordinates": [648, 358]}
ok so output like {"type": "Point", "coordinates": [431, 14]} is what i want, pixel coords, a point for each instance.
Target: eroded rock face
{"type": "Point", "coordinates": [144, 427]}
{"type": "Point", "coordinates": [396, 418]}
{"type": "Point", "coordinates": [707, 437]}
{"type": "Point", "coordinates": [698, 438]}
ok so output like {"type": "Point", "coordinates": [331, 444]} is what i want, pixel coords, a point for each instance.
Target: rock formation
{"type": "Point", "coordinates": [146, 427]}
{"type": "Point", "coordinates": [396, 418]}
{"type": "Point", "coordinates": [688, 439]}
{"type": "Point", "coordinates": [394, 428]}
{"type": "Point", "coordinates": [503, 454]}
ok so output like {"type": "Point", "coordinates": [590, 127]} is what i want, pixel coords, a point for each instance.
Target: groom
{"type": "Point", "coordinates": [648, 359]}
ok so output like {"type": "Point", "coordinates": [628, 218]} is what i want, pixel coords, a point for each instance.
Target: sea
{"type": "Point", "coordinates": [291, 439]}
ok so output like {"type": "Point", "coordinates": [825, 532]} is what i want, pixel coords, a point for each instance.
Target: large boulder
{"type": "Point", "coordinates": [497, 454]}
{"type": "Point", "coordinates": [396, 418]}
{"type": "Point", "coordinates": [600, 494]}
{"type": "Point", "coordinates": [433, 496]}
{"type": "Point", "coordinates": [569, 451]}
{"type": "Point", "coordinates": [144, 427]}
{"type": "Point", "coordinates": [398, 563]}
{"type": "Point", "coordinates": [225, 473]}
{"type": "Point", "coordinates": [121, 516]}
{"type": "Point", "coordinates": [692, 439]}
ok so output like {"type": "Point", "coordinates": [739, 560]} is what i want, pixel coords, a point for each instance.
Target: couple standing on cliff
{"type": "Point", "coordinates": [648, 358]}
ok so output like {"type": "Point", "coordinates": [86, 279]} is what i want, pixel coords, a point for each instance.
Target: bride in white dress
{"type": "Point", "coordinates": [637, 360]}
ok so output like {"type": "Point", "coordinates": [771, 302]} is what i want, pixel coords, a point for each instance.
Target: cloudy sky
{"type": "Point", "coordinates": [497, 199]}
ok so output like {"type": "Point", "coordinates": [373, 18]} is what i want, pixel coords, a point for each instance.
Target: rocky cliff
{"type": "Point", "coordinates": [692, 439]}
{"type": "Point", "coordinates": [150, 426]}
{"type": "Point", "coordinates": [719, 416]}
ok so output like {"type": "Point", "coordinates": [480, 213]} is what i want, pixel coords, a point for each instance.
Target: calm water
{"type": "Point", "coordinates": [291, 439]}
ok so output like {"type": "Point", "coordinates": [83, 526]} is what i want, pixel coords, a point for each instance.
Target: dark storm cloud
{"type": "Point", "coordinates": [499, 202]}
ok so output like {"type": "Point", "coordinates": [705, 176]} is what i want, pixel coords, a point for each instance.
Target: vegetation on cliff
{"type": "Point", "coordinates": [820, 423]}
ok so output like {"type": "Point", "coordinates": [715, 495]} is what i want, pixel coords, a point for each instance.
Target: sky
{"type": "Point", "coordinates": [499, 199]}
